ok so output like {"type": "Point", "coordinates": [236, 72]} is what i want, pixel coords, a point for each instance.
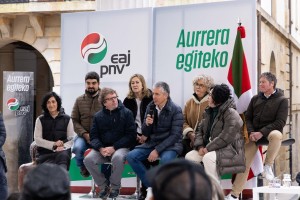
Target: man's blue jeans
{"type": "Point", "coordinates": [79, 147]}
{"type": "Point", "coordinates": [136, 157]}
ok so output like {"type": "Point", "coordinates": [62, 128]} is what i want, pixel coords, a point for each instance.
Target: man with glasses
{"type": "Point", "coordinates": [113, 133]}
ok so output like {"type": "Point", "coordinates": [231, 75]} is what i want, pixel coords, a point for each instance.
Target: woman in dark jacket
{"type": "Point", "coordinates": [139, 96]}
{"type": "Point", "coordinates": [53, 133]}
{"type": "Point", "coordinates": [3, 169]}
{"type": "Point", "coordinates": [219, 143]}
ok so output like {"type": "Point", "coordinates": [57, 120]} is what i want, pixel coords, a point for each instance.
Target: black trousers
{"type": "Point", "coordinates": [62, 158]}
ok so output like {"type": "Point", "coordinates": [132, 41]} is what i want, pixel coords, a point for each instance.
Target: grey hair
{"type": "Point", "coordinates": [208, 80]}
{"type": "Point", "coordinates": [164, 86]}
{"type": "Point", "coordinates": [104, 92]}
{"type": "Point", "coordinates": [270, 77]}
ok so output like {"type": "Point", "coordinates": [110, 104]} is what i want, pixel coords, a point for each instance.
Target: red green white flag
{"type": "Point", "coordinates": [238, 75]}
{"type": "Point", "coordinates": [239, 79]}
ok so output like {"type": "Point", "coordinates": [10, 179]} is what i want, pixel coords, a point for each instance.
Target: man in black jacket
{"type": "Point", "coordinates": [112, 135]}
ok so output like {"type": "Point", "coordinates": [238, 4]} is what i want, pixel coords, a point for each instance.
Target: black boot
{"type": "Point", "coordinates": [143, 193]}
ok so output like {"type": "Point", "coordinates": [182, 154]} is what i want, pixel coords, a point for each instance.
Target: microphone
{"type": "Point", "coordinates": [151, 110]}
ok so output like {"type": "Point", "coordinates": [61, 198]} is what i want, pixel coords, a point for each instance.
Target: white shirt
{"type": "Point", "coordinates": [138, 116]}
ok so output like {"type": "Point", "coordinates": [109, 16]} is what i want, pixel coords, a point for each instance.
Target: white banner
{"type": "Point", "coordinates": [171, 44]}
{"type": "Point", "coordinates": [116, 44]}
{"type": "Point", "coordinates": [200, 40]}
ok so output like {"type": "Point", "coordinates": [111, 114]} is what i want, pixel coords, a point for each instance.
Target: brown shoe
{"type": "Point", "coordinates": [84, 172]}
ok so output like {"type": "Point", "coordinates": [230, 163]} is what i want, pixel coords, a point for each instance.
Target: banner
{"type": "Point", "coordinates": [18, 97]}
{"type": "Point", "coordinates": [116, 44]}
{"type": "Point", "coordinates": [171, 44]}
{"type": "Point", "coordinates": [200, 40]}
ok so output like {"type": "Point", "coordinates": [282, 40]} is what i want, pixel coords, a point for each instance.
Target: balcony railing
{"type": "Point", "coordinates": [28, 1]}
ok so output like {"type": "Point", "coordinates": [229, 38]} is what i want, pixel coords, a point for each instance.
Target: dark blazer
{"type": "Point", "coordinates": [2, 141]}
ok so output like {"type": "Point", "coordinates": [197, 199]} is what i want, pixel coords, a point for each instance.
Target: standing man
{"type": "Point", "coordinates": [162, 129]}
{"type": "Point", "coordinates": [265, 118]}
{"type": "Point", "coordinates": [3, 169]}
{"type": "Point", "coordinates": [83, 112]}
{"type": "Point", "coordinates": [112, 134]}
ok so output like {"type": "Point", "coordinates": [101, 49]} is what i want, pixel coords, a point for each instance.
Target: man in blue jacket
{"type": "Point", "coordinates": [113, 133]}
{"type": "Point", "coordinates": [161, 129]}
{"type": "Point", "coordinates": [3, 169]}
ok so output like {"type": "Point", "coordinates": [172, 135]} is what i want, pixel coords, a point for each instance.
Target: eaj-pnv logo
{"type": "Point", "coordinates": [93, 48]}
{"type": "Point", "coordinates": [13, 104]}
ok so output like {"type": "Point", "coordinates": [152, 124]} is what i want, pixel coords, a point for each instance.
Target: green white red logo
{"type": "Point", "coordinates": [13, 104]}
{"type": "Point", "coordinates": [93, 48]}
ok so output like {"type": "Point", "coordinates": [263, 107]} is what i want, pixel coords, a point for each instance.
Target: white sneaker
{"type": "Point", "coordinates": [230, 197]}
{"type": "Point", "coordinates": [149, 193]}
{"type": "Point", "coordinates": [268, 172]}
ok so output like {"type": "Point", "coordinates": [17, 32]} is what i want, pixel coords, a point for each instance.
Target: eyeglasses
{"type": "Point", "coordinates": [199, 85]}
{"type": "Point", "coordinates": [111, 98]}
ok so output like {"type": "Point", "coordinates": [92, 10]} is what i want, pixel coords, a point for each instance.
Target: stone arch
{"type": "Point", "coordinates": [42, 32]}
{"type": "Point", "coordinates": [19, 56]}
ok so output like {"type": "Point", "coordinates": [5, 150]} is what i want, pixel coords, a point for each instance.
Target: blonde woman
{"type": "Point", "coordinates": [137, 100]}
{"type": "Point", "coordinates": [139, 96]}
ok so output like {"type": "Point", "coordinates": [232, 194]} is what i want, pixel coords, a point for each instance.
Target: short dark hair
{"type": "Point", "coordinates": [37, 187]}
{"type": "Point", "coordinates": [270, 77]}
{"type": "Point", "coordinates": [220, 93]}
{"type": "Point", "coordinates": [92, 75]}
{"type": "Point", "coordinates": [47, 97]}
{"type": "Point", "coordinates": [194, 183]}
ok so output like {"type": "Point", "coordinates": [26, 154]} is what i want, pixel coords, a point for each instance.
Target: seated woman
{"type": "Point", "coordinates": [219, 143]}
{"type": "Point", "coordinates": [193, 110]}
{"type": "Point", "coordinates": [137, 100]}
{"type": "Point", "coordinates": [53, 133]}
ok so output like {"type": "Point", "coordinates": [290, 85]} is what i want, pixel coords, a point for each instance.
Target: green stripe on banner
{"type": "Point", "coordinates": [76, 176]}
{"type": "Point", "coordinates": [226, 176]}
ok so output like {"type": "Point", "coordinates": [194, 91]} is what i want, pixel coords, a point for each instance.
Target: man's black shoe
{"type": "Point", "coordinates": [84, 172]}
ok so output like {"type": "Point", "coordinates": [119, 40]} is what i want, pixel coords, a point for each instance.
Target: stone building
{"type": "Point", "coordinates": [30, 32]}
